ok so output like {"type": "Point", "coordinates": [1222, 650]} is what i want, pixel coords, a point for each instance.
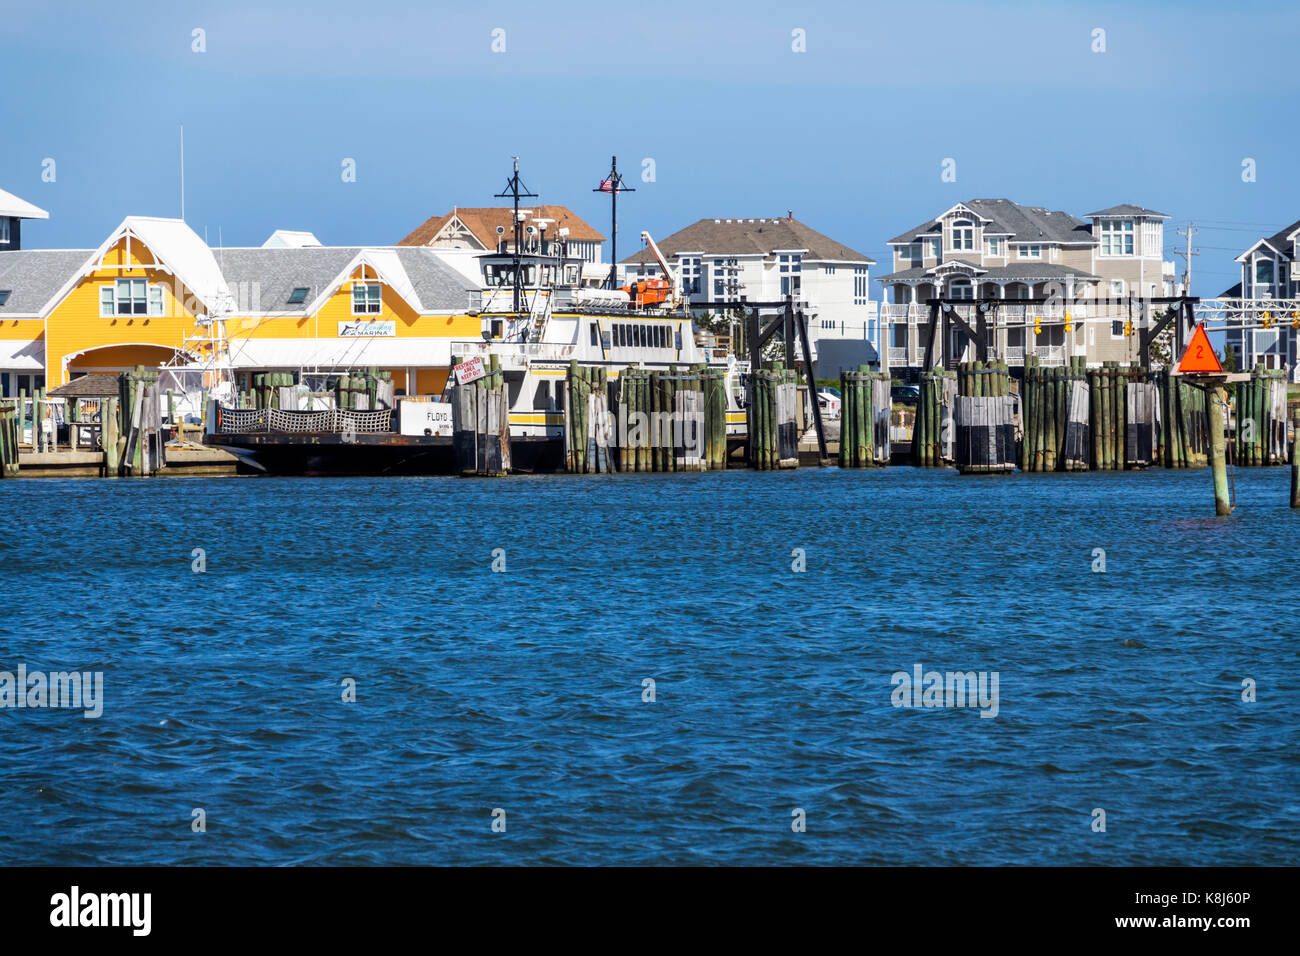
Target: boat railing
{"type": "Point", "coordinates": [548, 351]}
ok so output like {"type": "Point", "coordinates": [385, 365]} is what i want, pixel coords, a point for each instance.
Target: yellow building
{"type": "Point", "coordinates": [154, 293]}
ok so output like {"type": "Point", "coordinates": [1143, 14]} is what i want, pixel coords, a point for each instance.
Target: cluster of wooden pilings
{"type": "Point", "coordinates": [1184, 422]}
{"type": "Point", "coordinates": [672, 419]}
{"type": "Point", "coordinates": [480, 413]}
{"type": "Point", "coordinates": [1054, 419]}
{"type": "Point", "coordinates": [773, 410]}
{"type": "Point", "coordinates": [933, 439]}
{"type": "Point", "coordinates": [1261, 435]}
{"type": "Point", "coordinates": [9, 436]}
{"type": "Point", "coordinates": [138, 449]}
{"type": "Point", "coordinates": [588, 427]}
{"type": "Point", "coordinates": [864, 418]}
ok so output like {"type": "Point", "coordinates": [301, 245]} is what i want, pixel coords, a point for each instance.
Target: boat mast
{"type": "Point", "coordinates": [613, 185]}
{"type": "Point", "coordinates": [516, 190]}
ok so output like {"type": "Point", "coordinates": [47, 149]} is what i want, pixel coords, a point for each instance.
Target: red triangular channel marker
{"type": "Point", "coordinates": [1199, 356]}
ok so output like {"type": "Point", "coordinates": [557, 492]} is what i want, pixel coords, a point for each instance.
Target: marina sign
{"type": "Point", "coordinates": [368, 328]}
{"type": "Point", "coordinates": [470, 370]}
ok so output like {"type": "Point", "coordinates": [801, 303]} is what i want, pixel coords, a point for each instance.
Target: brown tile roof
{"type": "Point", "coordinates": [483, 222]}
{"type": "Point", "coordinates": [751, 236]}
{"type": "Point", "coordinates": [88, 386]}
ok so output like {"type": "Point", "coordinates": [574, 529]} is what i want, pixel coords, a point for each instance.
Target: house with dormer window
{"type": "Point", "coordinates": [1268, 297]}
{"type": "Point", "coordinates": [998, 249]}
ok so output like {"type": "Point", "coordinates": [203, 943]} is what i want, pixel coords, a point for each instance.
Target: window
{"type": "Point", "coordinates": [1116, 328]}
{"type": "Point", "coordinates": [859, 285]}
{"type": "Point", "coordinates": [962, 235]}
{"type": "Point", "coordinates": [4, 229]}
{"type": "Point", "coordinates": [898, 335]}
{"type": "Point", "coordinates": [1117, 288]}
{"type": "Point", "coordinates": [911, 252]}
{"type": "Point", "coordinates": [130, 297]}
{"type": "Point", "coordinates": [365, 298]}
{"type": "Point", "coordinates": [993, 247]}
{"type": "Point", "coordinates": [1031, 252]}
{"type": "Point", "coordinates": [961, 289]}
{"type": "Point", "coordinates": [931, 248]}
{"type": "Point", "coordinates": [595, 336]}
{"type": "Point", "coordinates": [690, 275]}
{"type": "Point", "coordinates": [790, 267]}
{"type": "Point", "coordinates": [1264, 271]}
{"type": "Point", "coordinates": [4, 295]}
{"type": "Point", "coordinates": [830, 270]}
{"type": "Point", "coordinates": [725, 281]}
{"type": "Point", "coordinates": [298, 296]}
{"type": "Point", "coordinates": [542, 396]}
{"type": "Point", "coordinates": [1016, 337]}
{"type": "Point", "coordinates": [1117, 237]}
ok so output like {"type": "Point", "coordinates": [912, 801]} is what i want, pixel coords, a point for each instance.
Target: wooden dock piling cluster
{"type": "Point", "coordinates": [672, 419]}
{"type": "Point", "coordinates": [140, 445]}
{"type": "Point", "coordinates": [9, 436]}
{"type": "Point", "coordinates": [933, 439]}
{"type": "Point", "coordinates": [1261, 434]}
{"type": "Point", "coordinates": [864, 418]}
{"type": "Point", "coordinates": [588, 427]}
{"type": "Point", "coordinates": [1184, 440]}
{"type": "Point", "coordinates": [1056, 417]}
{"type": "Point", "coordinates": [773, 430]}
{"type": "Point", "coordinates": [481, 424]}
{"type": "Point", "coordinates": [1108, 390]}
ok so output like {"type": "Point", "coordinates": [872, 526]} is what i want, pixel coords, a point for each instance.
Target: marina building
{"type": "Point", "coordinates": [154, 293]}
{"type": "Point", "coordinates": [764, 260]}
{"type": "Point", "coordinates": [1092, 269]}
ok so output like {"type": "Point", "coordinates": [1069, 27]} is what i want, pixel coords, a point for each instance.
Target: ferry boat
{"type": "Point", "coordinates": [539, 310]}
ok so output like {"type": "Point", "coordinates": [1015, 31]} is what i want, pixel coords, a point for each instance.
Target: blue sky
{"type": "Point", "coordinates": [850, 134]}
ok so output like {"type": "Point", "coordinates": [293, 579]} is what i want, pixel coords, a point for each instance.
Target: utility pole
{"type": "Point", "coordinates": [1187, 272]}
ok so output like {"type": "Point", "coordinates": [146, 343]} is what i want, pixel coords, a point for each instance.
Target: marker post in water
{"type": "Point", "coordinates": [1201, 366]}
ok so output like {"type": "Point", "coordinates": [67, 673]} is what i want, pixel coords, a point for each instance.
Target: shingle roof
{"type": "Point", "coordinates": [34, 276]}
{"type": "Point", "coordinates": [1279, 241]}
{"type": "Point", "coordinates": [1021, 223]}
{"type": "Point", "coordinates": [11, 205]}
{"type": "Point", "coordinates": [88, 386]}
{"type": "Point", "coordinates": [1127, 209]}
{"type": "Point", "coordinates": [483, 222]}
{"type": "Point", "coordinates": [741, 237]}
{"type": "Point", "coordinates": [273, 274]}
{"type": "Point", "coordinates": [1015, 272]}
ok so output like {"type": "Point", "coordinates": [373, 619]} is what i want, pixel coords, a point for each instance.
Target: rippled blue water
{"type": "Point", "coordinates": [523, 690]}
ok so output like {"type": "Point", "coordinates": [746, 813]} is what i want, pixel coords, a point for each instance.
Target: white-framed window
{"type": "Point", "coordinates": [131, 297]}
{"type": "Point", "coordinates": [1263, 271]}
{"type": "Point", "coordinates": [1117, 237]}
{"type": "Point", "coordinates": [992, 247]}
{"type": "Point", "coordinates": [930, 247]}
{"type": "Point", "coordinates": [4, 230]}
{"type": "Point", "coordinates": [859, 285]}
{"type": "Point", "coordinates": [366, 298]}
{"type": "Point", "coordinates": [961, 288]}
{"type": "Point", "coordinates": [1117, 288]}
{"type": "Point", "coordinates": [690, 275]}
{"type": "Point", "coordinates": [1031, 251]}
{"type": "Point", "coordinates": [962, 235]}
{"type": "Point", "coordinates": [911, 252]}
{"type": "Point", "coordinates": [726, 283]}
{"type": "Point", "coordinates": [790, 268]}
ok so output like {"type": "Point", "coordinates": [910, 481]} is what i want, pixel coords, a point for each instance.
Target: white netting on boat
{"type": "Point", "coordinates": [239, 420]}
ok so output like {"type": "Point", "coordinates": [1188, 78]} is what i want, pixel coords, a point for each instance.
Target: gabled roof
{"type": "Point", "coordinates": [1278, 248]}
{"type": "Point", "coordinates": [1279, 242]}
{"type": "Point", "coordinates": [34, 277]}
{"type": "Point", "coordinates": [482, 221]}
{"type": "Point", "coordinates": [420, 276]}
{"type": "Point", "coordinates": [1128, 209]}
{"type": "Point", "coordinates": [748, 237]}
{"type": "Point", "coordinates": [11, 205]}
{"type": "Point", "coordinates": [176, 248]}
{"type": "Point", "coordinates": [282, 238]}
{"type": "Point", "coordinates": [1006, 218]}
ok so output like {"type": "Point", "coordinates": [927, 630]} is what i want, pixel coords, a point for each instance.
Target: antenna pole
{"type": "Point", "coordinates": [613, 185]}
{"type": "Point", "coordinates": [515, 189]}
